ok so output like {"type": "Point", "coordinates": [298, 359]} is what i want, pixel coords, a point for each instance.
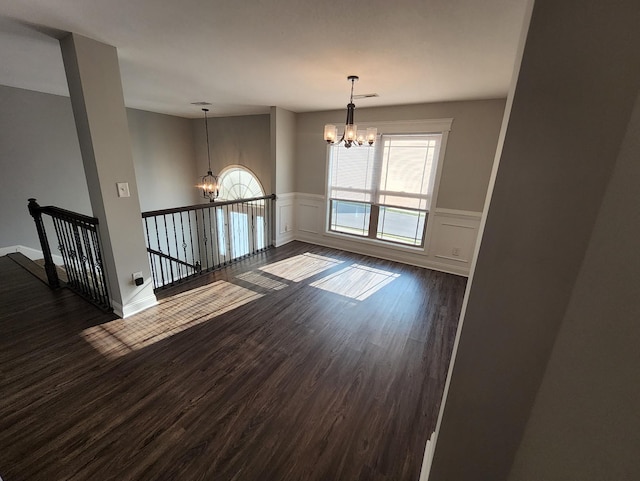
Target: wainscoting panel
{"type": "Point", "coordinates": [310, 213]}
{"type": "Point", "coordinates": [285, 218]}
{"type": "Point", "coordinates": [451, 234]}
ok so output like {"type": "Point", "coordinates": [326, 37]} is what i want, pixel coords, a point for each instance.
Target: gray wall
{"type": "Point", "coordinates": [585, 422]}
{"type": "Point", "coordinates": [242, 140]}
{"type": "Point", "coordinates": [575, 92]}
{"type": "Point", "coordinates": [163, 155]}
{"type": "Point", "coordinates": [469, 157]}
{"type": "Point", "coordinates": [283, 141]}
{"type": "Point", "coordinates": [40, 157]}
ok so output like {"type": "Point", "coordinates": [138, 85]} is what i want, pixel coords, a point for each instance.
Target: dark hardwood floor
{"type": "Point", "coordinates": [303, 363]}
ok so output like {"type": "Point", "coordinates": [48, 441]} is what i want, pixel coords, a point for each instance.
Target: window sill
{"type": "Point", "coordinates": [366, 241]}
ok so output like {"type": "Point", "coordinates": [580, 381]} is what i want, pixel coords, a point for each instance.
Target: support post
{"type": "Point", "coordinates": [49, 266]}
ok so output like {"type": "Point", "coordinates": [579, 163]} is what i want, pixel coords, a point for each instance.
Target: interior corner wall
{"type": "Point", "coordinates": [40, 157]}
{"type": "Point", "coordinates": [242, 140]}
{"type": "Point", "coordinates": [469, 156]}
{"type": "Point", "coordinates": [585, 422]}
{"type": "Point", "coordinates": [164, 160]}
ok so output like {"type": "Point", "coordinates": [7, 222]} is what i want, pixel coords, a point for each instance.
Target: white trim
{"type": "Point", "coordinates": [310, 197]}
{"type": "Point", "coordinates": [435, 188]}
{"type": "Point", "coordinates": [428, 457]}
{"type": "Point", "coordinates": [457, 213]}
{"type": "Point", "coordinates": [449, 258]}
{"type": "Point", "coordinates": [33, 254]}
{"type": "Point", "coordinates": [287, 196]}
{"type": "Point", "coordinates": [383, 251]}
{"type": "Point", "coordinates": [312, 229]}
{"type": "Point", "coordinates": [132, 308]}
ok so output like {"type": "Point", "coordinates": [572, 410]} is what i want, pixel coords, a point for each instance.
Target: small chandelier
{"type": "Point", "coordinates": [351, 134]}
{"type": "Point", "coordinates": [209, 185]}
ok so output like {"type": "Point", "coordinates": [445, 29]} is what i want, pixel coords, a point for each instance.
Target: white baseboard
{"type": "Point", "coordinates": [428, 457]}
{"type": "Point", "coordinates": [284, 238]}
{"type": "Point", "coordinates": [381, 253]}
{"type": "Point", "coordinates": [451, 234]}
{"type": "Point", "coordinates": [134, 307]}
{"type": "Point", "coordinates": [33, 254]}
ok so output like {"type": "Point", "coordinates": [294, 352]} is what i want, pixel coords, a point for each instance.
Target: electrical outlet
{"type": "Point", "coordinates": [286, 228]}
{"type": "Point", "coordinates": [455, 251]}
{"type": "Point", "coordinates": [138, 280]}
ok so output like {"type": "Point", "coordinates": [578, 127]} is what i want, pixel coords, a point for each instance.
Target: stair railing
{"type": "Point", "coordinates": [187, 241]}
{"type": "Point", "coordinates": [79, 245]}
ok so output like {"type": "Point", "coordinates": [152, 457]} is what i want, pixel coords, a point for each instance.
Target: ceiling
{"type": "Point", "coordinates": [244, 57]}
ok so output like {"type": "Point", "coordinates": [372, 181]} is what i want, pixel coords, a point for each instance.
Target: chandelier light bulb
{"type": "Point", "coordinates": [351, 135]}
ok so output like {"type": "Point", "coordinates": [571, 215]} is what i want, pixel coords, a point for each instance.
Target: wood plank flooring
{"type": "Point", "coordinates": [303, 363]}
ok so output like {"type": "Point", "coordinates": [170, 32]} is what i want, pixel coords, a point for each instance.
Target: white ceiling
{"type": "Point", "coordinates": [296, 54]}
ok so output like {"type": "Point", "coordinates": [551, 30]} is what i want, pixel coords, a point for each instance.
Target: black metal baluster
{"type": "Point", "coordinates": [197, 262]}
{"type": "Point", "coordinates": [89, 256]}
{"type": "Point", "coordinates": [159, 250]}
{"type": "Point", "coordinates": [72, 272]}
{"type": "Point", "coordinates": [175, 238]}
{"type": "Point", "coordinates": [95, 237]}
{"type": "Point", "coordinates": [84, 279]}
{"type": "Point", "coordinates": [166, 235]}
{"type": "Point", "coordinates": [216, 234]}
{"type": "Point", "coordinates": [213, 221]}
{"type": "Point", "coordinates": [151, 257]}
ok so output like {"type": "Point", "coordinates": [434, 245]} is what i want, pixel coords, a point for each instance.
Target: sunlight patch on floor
{"type": "Point", "coordinates": [356, 281]}
{"type": "Point", "coordinates": [261, 280]}
{"type": "Point", "coordinates": [301, 267]}
{"type": "Point", "coordinates": [171, 316]}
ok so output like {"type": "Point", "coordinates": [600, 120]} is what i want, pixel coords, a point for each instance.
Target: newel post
{"type": "Point", "coordinates": [49, 266]}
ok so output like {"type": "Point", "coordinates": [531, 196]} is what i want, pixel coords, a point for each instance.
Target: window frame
{"type": "Point", "coordinates": [399, 128]}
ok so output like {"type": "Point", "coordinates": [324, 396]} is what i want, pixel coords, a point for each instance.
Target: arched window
{"type": "Point", "coordinates": [241, 226]}
{"type": "Point", "coordinates": [239, 183]}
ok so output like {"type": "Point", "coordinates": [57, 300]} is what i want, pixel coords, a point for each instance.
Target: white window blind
{"type": "Point", "coordinates": [384, 191]}
{"type": "Point", "coordinates": [407, 169]}
{"type": "Point", "coordinates": [351, 175]}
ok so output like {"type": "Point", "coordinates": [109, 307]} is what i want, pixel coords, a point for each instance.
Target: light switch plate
{"type": "Point", "coordinates": [123, 189]}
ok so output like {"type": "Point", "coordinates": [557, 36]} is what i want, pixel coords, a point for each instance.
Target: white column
{"type": "Point", "coordinates": [93, 75]}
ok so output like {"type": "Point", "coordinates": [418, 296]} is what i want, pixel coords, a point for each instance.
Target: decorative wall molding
{"type": "Point", "coordinates": [449, 248]}
{"type": "Point", "coordinates": [285, 218]}
{"type": "Point", "coordinates": [453, 235]}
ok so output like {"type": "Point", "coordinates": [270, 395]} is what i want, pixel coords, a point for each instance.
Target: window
{"type": "Point", "coordinates": [383, 192]}
{"type": "Point", "coordinates": [239, 183]}
{"type": "Point", "coordinates": [237, 220]}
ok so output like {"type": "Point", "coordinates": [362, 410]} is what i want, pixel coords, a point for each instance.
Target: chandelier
{"type": "Point", "coordinates": [351, 134]}
{"type": "Point", "coordinates": [209, 184]}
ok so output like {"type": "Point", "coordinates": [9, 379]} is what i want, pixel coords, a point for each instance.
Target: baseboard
{"type": "Point", "coordinates": [428, 457]}
{"type": "Point", "coordinates": [135, 307]}
{"type": "Point", "coordinates": [284, 238]}
{"type": "Point", "coordinates": [381, 253]}
{"type": "Point", "coordinates": [33, 254]}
